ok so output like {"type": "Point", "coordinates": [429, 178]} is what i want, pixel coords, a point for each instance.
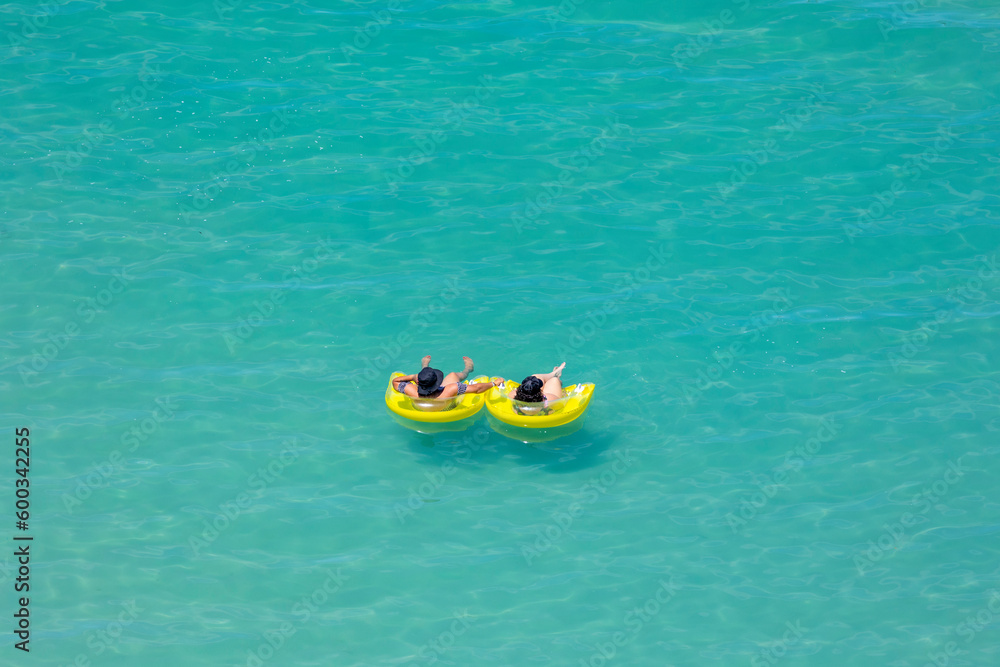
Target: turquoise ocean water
{"type": "Point", "coordinates": [767, 231]}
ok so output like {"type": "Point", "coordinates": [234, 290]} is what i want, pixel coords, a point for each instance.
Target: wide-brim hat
{"type": "Point", "coordinates": [429, 380]}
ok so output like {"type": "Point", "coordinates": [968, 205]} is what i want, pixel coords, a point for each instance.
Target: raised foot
{"type": "Point", "coordinates": [425, 362]}
{"type": "Point", "coordinates": [557, 370]}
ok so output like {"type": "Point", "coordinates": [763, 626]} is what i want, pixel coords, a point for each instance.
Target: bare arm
{"type": "Point", "coordinates": [480, 387]}
{"type": "Point", "coordinates": [405, 378]}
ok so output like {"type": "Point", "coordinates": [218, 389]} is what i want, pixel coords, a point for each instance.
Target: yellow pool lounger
{"type": "Point", "coordinates": [572, 405]}
{"type": "Point", "coordinates": [455, 409]}
{"type": "Point", "coordinates": [531, 435]}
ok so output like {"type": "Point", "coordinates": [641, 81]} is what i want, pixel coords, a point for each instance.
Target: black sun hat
{"type": "Point", "coordinates": [530, 390]}
{"type": "Point", "coordinates": [428, 381]}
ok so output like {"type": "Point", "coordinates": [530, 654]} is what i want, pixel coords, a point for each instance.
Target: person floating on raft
{"type": "Point", "coordinates": [430, 383]}
{"type": "Point", "coordinates": [539, 388]}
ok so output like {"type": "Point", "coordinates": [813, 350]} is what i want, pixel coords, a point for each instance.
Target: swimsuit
{"type": "Point", "coordinates": [461, 389]}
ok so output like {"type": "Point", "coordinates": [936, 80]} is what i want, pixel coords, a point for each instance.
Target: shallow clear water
{"type": "Point", "coordinates": [767, 231]}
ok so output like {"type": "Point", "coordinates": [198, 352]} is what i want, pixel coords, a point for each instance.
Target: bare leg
{"type": "Point", "coordinates": [556, 373]}
{"type": "Point", "coordinates": [552, 382]}
{"type": "Point", "coordinates": [425, 362]}
{"type": "Point", "coordinates": [553, 388]}
{"type": "Point", "coordinates": [452, 378]}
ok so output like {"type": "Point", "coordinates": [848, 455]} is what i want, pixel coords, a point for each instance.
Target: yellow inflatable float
{"type": "Point", "coordinates": [436, 411]}
{"type": "Point", "coordinates": [572, 405]}
{"type": "Point", "coordinates": [534, 435]}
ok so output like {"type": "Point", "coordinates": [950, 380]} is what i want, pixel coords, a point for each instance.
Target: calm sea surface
{"type": "Point", "coordinates": [768, 232]}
